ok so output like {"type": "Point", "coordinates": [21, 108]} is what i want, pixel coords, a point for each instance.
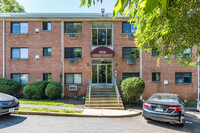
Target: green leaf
{"type": "Point", "coordinates": [117, 8]}
{"type": "Point", "coordinates": [163, 3]}
{"type": "Point", "coordinates": [150, 5]}
{"type": "Point", "coordinates": [143, 27]}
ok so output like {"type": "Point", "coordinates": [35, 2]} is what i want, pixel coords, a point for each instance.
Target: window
{"type": "Point", "coordinates": [186, 53]}
{"type": "Point", "coordinates": [128, 27]}
{"type": "Point", "coordinates": [101, 33]}
{"type": "Point", "coordinates": [130, 53]}
{"type": "Point", "coordinates": [19, 27]}
{"type": "Point", "coordinates": [19, 53]}
{"type": "Point", "coordinates": [73, 53]}
{"type": "Point", "coordinates": [155, 52]}
{"type": "Point", "coordinates": [156, 77]}
{"type": "Point", "coordinates": [128, 75]}
{"type": "Point", "coordinates": [47, 52]}
{"type": "Point", "coordinates": [73, 78]}
{"type": "Point", "coordinates": [23, 78]}
{"type": "Point", "coordinates": [73, 27]}
{"type": "Point", "coordinates": [183, 78]}
{"type": "Point", "coordinates": [47, 26]}
{"type": "Point", "coordinates": [47, 77]}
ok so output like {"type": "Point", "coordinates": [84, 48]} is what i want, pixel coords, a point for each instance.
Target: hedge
{"type": "Point", "coordinates": [35, 90]}
{"type": "Point", "coordinates": [132, 89]}
{"type": "Point", "coordinates": [10, 86]}
{"type": "Point", "coordinates": [53, 90]}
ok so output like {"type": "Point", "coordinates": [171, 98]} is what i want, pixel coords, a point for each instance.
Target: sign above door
{"type": "Point", "coordinates": [102, 52]}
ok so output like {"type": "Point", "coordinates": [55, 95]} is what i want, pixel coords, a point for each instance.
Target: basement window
{"type": "Point", "coordinates": [22, 78]}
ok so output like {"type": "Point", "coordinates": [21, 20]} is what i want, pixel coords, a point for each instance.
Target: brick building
{"type": "Point", "coordinates": [78, 48]}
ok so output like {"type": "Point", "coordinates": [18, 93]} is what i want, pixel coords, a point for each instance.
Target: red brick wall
{"type": "Point", "coordinates": [1, 48]}
{"type": "Point", "coordinates": [35, 68]}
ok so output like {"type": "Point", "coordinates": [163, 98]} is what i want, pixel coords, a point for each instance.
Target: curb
{"type": "Point", "coordinates": [73, 114]}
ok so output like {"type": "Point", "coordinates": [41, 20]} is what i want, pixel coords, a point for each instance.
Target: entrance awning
{"type": "Point", "coordinates": [102, 52]}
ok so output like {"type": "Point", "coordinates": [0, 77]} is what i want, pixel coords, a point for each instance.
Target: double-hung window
{"type": "Point", "coordinates": [19, 27]}
{"type": "Point", "coordinates": [183, 78]}
{"type": "Point", "coordinates": [128, 75]}
{"type": "Point", "coordinates": [47, 26]}
{"type": "Point", "coordinates": [73, 27]}
{"type": "Point", "coordinates": [47, 52]}
{"type": "Point", "coordinates": [128, 28]}
{"type": "Point", "coordinates": [130, 53]}
{"type": "Point", "coordinates": [156, 77]}
{"type": "Point", "coordinates": [155, 52]}
{"type": "Point", "coordinates": [19, 53]}
{"type": "Point", "coordinates": [73, 53]}
{"type": "Point", "coordinates": [73, 78]}
{"type": "Point", "coordinates": [22, 78]}
{"type": "Point", "coordinates": [47, 77]}
{"type": "Point", "coordinates": [102, 34]}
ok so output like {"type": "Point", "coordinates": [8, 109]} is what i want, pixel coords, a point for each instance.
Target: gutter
{"type": "Point", "coordinates": [198, 81]}
{"type": "Point", "coordinates": [3, 48]}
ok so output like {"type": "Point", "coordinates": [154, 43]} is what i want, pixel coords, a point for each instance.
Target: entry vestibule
{"type": "Point", "coordinates": [102, 71]}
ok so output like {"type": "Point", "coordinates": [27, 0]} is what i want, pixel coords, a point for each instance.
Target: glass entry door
{"type": "Point", "coordinates": [102, 73]}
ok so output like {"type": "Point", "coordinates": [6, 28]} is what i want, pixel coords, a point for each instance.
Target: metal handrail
{"type": "Point", "coordinates": [116, 89]}
{"type": "Point", "coordinates": [89, 84]}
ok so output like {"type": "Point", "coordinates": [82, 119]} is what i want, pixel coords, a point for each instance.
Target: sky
{"type": "Point", "coordinates": [65, 6]}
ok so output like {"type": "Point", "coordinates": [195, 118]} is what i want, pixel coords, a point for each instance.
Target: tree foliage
{"type": "Point", "coordinates": [172, 26]}
{"type": "Point", "coordinates": [11, 6]}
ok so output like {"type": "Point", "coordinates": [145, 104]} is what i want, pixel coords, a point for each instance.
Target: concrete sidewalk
{"type": "Point", "coordinates": [111, 113]}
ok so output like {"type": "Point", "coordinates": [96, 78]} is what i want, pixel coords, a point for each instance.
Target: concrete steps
{"type": "Point", "coordinates": [103, 97]}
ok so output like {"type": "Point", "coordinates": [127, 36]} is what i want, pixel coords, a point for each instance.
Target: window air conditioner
{"type": "Point", "coordinates": [72, 35]}
{"type": "Point", "coordinates": [73, 88]}
{"type": "Point", "coordinates": [130, 61]}
{"type": "Point", "coordinates": [72, 61]}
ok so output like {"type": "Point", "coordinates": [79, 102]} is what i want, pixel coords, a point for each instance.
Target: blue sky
{"type": "Point", "coordinates": [65, 6]}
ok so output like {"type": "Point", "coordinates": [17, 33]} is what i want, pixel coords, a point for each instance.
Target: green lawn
{"type": "Point", "coordinates": [44, 102]}
{"type": "Point", "coordinates": [49, 110]}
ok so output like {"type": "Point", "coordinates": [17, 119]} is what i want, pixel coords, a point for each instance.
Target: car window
{"type": "Point", "coordinates": [164, 98]}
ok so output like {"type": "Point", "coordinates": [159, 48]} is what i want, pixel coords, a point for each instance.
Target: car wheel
{"type": "Point", "coordinates": [146, 118]}
{"type": "Point", "coordinates": [182, 121]}
{"type": "Point", "coordinates": [7, 114]}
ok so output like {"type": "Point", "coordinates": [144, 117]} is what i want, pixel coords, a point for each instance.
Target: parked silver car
{"type": "Point", "coordinates": [8, 104]}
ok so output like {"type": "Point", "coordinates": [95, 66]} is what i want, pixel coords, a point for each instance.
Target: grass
{"type": "Point", "coordinates": [49, 110]}
{"type": "Point", "coordinates": [190, 103]}
{"type": "Point", "coordinates": [44, 102]}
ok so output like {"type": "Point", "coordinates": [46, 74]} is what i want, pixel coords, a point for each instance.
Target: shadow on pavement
{"type": "Point", "coordinates": [192, 124]}
{"type": "Point", "coordinates": [10, 120]}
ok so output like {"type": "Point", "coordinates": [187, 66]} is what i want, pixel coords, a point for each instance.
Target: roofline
{"type": "Point", "coordinates": [61, 16]}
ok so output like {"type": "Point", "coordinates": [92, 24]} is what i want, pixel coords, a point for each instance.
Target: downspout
{"type": "Point", "coordinates": [62, 56]}
{"type": "Point", "coordinates": [141, 69]}
{"type": "Point", "coordinates": [198, 81]}
{"type": "Point", "coordinates": [3, 48]}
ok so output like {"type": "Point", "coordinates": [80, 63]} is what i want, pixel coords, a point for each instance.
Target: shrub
{"type": "Point", "coordinates": [53, 90]}
{"type": "Point", "coordinates": [9, 86]}
{"type": "Point", "coordinates": [132, 88]}
{"type": "Point", "coordinates": [35, 90]}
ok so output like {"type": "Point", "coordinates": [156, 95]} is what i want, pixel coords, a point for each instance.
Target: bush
{"type": "Point", "coordinates": [53, 90]}
{"type": "Point", "coordinates": [132, 89]}
{"type": "Point", "coordinates": [35, 90]}
{"type": "Point", "coordinates": [9, 86]}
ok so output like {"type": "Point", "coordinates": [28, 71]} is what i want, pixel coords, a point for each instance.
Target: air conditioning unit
{"type": "Point", "coordinates": [72, 35]}
{"type": "Point", "coordinates": [73, 88]}
{"type": "Point", "coordinates": [131, 36]}
{"type": "Point", "coordinates": [130, 61]}
{"type": "Point", "coordinates": [73, 62]}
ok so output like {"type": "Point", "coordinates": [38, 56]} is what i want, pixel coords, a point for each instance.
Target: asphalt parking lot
{"type": "Point", "coordinates": [58, 124]}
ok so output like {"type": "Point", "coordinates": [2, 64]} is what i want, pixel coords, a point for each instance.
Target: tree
{"type": "Point", "coordinates": [11, 6]}
{"type": "Point", "coordinates": [172, 26]}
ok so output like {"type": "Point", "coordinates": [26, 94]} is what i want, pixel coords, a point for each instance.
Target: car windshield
{"type": "Point", "coordinates": [164, 98]}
